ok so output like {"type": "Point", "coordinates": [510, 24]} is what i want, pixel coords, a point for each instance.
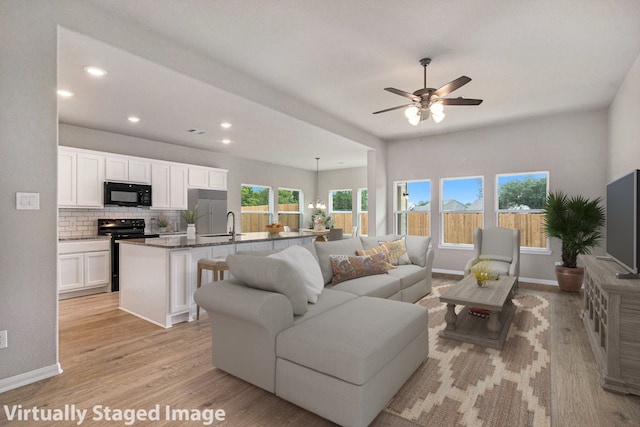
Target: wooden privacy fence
{"type": "Point", "coordinates": [258, 222]}
{"type": "Point", "coordinates": [458, 227]}
{"type": "Point", "coordinates": [531, 227]}
{"type": "Point", "coordinates": [419, 224]}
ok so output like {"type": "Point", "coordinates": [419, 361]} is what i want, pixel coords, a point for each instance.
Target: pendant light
{"type": "Point", "coordinates": [317, 204]}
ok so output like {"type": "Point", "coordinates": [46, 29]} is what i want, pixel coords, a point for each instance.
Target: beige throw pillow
{"type": "Point", "coordinates": [397, 251]}
{"type": "Point", "coordinates": [380, 248]}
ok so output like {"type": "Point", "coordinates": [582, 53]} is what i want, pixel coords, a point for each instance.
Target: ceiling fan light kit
{"type": "Point", "coordinates": [429, 101]}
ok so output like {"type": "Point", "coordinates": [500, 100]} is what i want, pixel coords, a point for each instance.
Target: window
{"type": "Point", "coordinates": [363, 212]}
{"type": "Point", "coordinates": [289, 208]}
{"type": "Point", "coordinates": [520, 201]}
{"type": "Point", "coordinates": [341, 209]}
{"type": "Point", "coordinates": [255, 207]}
{"type": "Point", "coordinates": [462, 206]}
{"type": "Point", "coordinates": [413, 208]}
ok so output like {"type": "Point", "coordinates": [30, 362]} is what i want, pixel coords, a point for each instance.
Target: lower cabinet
{"type": "Point", "coordinates": [83, 266]}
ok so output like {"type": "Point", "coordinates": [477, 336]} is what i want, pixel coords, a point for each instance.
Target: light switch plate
{"type": "Point", "coordinates": [28, 201]}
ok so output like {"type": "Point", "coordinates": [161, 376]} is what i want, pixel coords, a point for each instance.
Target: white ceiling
{"type": "Point", "coordinates": [525, 58]}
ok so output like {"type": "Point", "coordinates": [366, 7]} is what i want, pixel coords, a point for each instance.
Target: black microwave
{"type": "Point", "coordinates": [124, 194]}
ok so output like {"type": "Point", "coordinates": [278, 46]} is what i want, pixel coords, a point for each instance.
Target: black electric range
{"type": "Point", "coordinates": [120, 229]}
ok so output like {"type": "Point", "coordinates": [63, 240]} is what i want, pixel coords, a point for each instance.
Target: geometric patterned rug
{"type": "Point", "coordinates": [462, 384]}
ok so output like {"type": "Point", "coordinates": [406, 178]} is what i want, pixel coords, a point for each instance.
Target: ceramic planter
{"type": "Point", "coordinates": [569, 279]}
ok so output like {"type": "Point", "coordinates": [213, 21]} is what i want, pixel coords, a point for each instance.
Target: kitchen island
{"type": "Point", "coordinates": [158, 275]}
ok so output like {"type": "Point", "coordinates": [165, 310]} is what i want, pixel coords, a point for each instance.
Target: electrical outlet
{"type": "Point", "coordinates": [3, 339]}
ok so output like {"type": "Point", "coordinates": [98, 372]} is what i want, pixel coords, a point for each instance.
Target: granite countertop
{"type": "Point", "coordinates": [177, 242]}
{"type": "Point", "coordinates": [71, 239]}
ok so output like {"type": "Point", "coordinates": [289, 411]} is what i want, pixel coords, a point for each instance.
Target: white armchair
{"type": "Point", "coordinates": [500, 247]}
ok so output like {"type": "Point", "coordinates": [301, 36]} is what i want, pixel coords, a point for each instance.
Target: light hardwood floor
{"type": "Point", "coordinates": [114, 359]}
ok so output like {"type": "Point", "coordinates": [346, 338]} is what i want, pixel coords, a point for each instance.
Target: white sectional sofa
{"type": "Point", "coordinates": [342, 357]}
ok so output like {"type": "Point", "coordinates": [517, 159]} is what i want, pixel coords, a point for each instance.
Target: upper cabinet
{"type": "Point", "coordinates": [127, 169]}
{"type": "Point", "coordinates": [80, 179]}
{"type": "Point", "coordinates": [208, 178]}
{"type": "Point", "coordinates": [82, 173]}
{"type": "Point", "coordinates": [168, 186]}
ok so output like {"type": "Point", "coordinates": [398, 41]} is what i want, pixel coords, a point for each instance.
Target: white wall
{"type": "Point", "coordinates": [572, 147]}
{"type": "Point", "coordinates": [28, 146]}
{"type": "Point", "coordinates": [624, 126]}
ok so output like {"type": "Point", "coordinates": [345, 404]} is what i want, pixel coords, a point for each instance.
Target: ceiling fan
{"type": "Point", "coordinates": [429, 101]}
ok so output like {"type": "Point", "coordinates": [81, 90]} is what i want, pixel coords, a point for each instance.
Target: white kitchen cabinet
{"type": "Point", "coordinates": [168, 186]}
{"type": "Point", "coordinates": [160, 185]}
{"type": "Point", "coordinates": [70, 272]}
{"type": "Point", "coordinates": [178, 187]}
{"type": "Point", "coordinates": [67, 178]}
{"type": "Point", "coordinates": [127, 169]}
{"type": "Point", "coordinates": [80, 179]}
{"type": "Point", "coordinates": [83, 265]}
{"type": "Point", "coordinates": [207, 178]}
{"type": "Point", "coordinates": [90, 174]}
{"type": "Point", "coordinates": [218, 179]}
{"type": "Point", "coordinates": [198, 177]}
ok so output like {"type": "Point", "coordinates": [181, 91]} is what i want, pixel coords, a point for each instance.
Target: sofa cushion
{"type": "Point", "coordinates": [379, 248]}
{"type": "Point", "coordinates": [397, 251]}
{"type": "Point", "coordinates": [330, 298]}
{"type": "Point", "coordinates": [271, 274]}
{"type": "Point", "coordinates": [336, 247]}
{"type": "Point", "coordinates": [355, 340]}
{"type": "Point", "coordinates": [417, 248]}
{"type": "Point", "coordinates": [380, 286]}
{"type": "Point", "coordinates": [409, 274]}
{"type": "Point", "coordinates": [307, 266]}
{"type": "Point", "coordinates": [350, 267]}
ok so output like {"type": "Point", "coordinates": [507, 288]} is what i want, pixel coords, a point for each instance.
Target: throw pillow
{"type": "Point", "coordinates": [349, 267]}
{"type": "Point", "coordinates": [270, 274]}
{"type": "Point", "coordinates": [304, 262]}
{"type": "Point", "coordinates": [397, 251]}
{"type": "Point", "coordinates": [379, 248]}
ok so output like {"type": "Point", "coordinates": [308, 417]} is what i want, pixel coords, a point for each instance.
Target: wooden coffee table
{"type": "Point", "coordinates": [495, 296]}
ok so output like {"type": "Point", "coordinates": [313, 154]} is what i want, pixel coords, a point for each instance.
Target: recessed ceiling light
{"type": "Point", "coordinates": [133, 119]}
{"type": "Point", "coordinates": [65, 93]}
{"type": "Point", "coordinates": [95, 71]}
{"type": "Point", "coordinates": [225, 125]}
{"type": "Point", "coordinates": [226, 141]}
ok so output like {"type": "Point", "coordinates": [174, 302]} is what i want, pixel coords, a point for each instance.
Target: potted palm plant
{"type": "Point", "coordinates": [577, 221]}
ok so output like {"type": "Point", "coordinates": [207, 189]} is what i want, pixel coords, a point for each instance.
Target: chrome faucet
{"type": "Point", "coordinates": [232, 231]}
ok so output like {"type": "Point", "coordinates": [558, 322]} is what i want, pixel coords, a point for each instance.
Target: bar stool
{"type": "Point", "coordinates": [217, 265]}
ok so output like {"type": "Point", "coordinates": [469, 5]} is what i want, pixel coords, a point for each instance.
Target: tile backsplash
{"type": "Point", "coordinates": [82, 223]}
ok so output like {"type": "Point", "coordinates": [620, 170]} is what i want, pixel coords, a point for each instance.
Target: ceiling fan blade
{"type": "Point", "coordinates": [451, 86]}
{"type": "Point", "coordinates": [402, 93]}
{"type": "Point", "coordinates": [394, 108]}
{"type": "Point", "coordinates": [460, 101]}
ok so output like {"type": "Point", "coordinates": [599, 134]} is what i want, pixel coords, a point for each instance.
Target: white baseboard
{"type": "Point", "coordinates": [522, 279]}
{"type": "Point", "coordinates": [29, 377]}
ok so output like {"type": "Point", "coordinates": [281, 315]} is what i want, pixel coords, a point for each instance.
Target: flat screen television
{"type": "Point", "coordinates": [623, 212]}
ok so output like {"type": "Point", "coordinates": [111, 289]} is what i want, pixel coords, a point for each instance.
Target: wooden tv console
{"type": "Point", "coordinates": [611, 315]}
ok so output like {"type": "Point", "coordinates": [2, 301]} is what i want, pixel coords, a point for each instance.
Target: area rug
{"type": "Point", "coordinates": [463, 384]}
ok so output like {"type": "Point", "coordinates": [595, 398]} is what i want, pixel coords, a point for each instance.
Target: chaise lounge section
{"type": "Point", "coordinates": [342, 357]}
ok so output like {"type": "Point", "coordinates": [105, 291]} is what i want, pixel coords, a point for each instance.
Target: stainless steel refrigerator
{"type": "Point", "coordinates": [212, 209]}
